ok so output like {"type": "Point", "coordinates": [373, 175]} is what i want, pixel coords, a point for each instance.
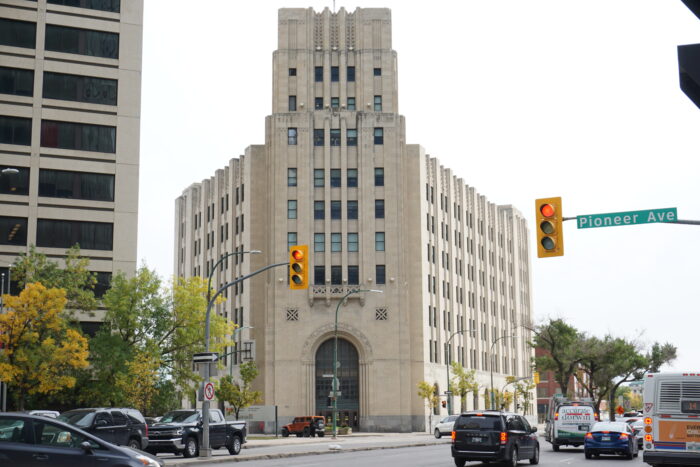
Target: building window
{"type": "Point", "coordinates": [80, 88]}
{"type": "Point", "coordinates": [318, 178]}
{"type": "Point", "coordinates": [335, 74]}
{"type": "Point", "coordinates": [14, 183]}
{"type": "Point", "coordinates": [335, 137]}
{"type": "Point", "coordinates": [82, 41]}
{"type": "Point", "coordinates": [336, 275]}
{"type": "Point", "coordinates": [15, 130]}
{"type": "Point", "coordinates": [319, 210]}
{"type": "Point", "coordinates": [318, 103]}
{"type": "Point", "coordinates": [379, 209]}
{"type": "Point", "coordinates": [104, 282]}
{"type": "Point", "coordinates": [76, 185]}
{"type": "Point", "coordinates": [13, 230]}
{"type": "Point", "coordinates": [352, 209]}
{"type": "Point", "coordinates": [54, 233]}
{"type": "Point", "coordinates": [292, 103]}
{"type": "Point", "coordinates": [377, 72]}
{"type": "Point", "coordinates": [352, 178]}
{"type": "Point", "coordinates": [319, 139]}
{"type": "Point", "coordinates": [292, 136]}
{"type": "Point", "coordinates": [353, 275]}
{"type": "Point", "coordinates": [377, 103]}
{"type": "Point", "coordinates": [17, 33]}
{"type": "Point", "coordinates": [318, 74]}
{"type": "Point", "coordinates": [319, 242]}
{"type": "Point", "coordinates": [335, 210]}
{"type": "Point", "coordinates": [291, 209]}
{"type": "Point", "coordinates": [16, 81]}
{"type": "Point", "coordinates": [379, 136]}
{"type": "Point", "coordinates": [319, 275]}
{"type": "Point", "coordinates": [292, 176]}
{"type": "Point", "coordinates": [79, 136]}
{"type": "Point", "coordinates": [379, 176]}
{"type": "Point", "coordinates": [335, 103]}
{"type": "Point", "coordinates": [351, 103]}
{"type": "Point", "coordinates": [351, 73]}
{"type": "Point", "coordinates": [104, 5]}
{"type": "Point", "coordinates": [336, 242]}
{"type": "Point", "coordinates": [291, 239]}
{"type": "Point", "coordinates": [335, 178]}
{"type": "Point", "coordinates": [352, 137]}
{"type": "Point", "coordinates": [379, 241]}
{"type": "Point", "coordinates": [380, 274]}
{"type": "Point", "coordinates": [292, 72]}
{"type": "Point", "coordinates": [353, 242]}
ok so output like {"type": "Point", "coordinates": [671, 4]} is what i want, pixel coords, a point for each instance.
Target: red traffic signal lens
{"type": "Point", "coordinates": [298, 255]}
{"type": "Point", "coordinates": [547, 210]}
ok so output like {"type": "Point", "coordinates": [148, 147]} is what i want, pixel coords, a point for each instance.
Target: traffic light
{"type": "Point", "coordinates": [536, 377]}
{"type": "Point", "coordinates": [550, 234]}
{"type": "Point", "coordinates": [689, 62]}
{"type": "Point", "coordinates": [444, 404]}
{"type": "Point", "coordinates": [299, 267]}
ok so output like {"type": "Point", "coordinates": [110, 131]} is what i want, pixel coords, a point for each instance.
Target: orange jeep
{"type": "Point", "coordinates": [305, 426]}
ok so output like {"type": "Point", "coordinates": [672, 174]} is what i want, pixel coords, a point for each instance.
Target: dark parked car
{"type": "Point", "coordinates": [494, 436]}
{"type": "Point", "coordinates": [121, 426]}
{"type": "Point", "coordinates": [610, 438]}
{"type": "Point", "coordinates": [32, 440]}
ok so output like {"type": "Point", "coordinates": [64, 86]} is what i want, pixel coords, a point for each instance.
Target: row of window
{"type": "Point", "coordinates": [54, 233]}
{"type": "Point", "coordinates": [103, 5]}
{"type": "Point", "coordinates": [67, 87]}
{"type": "Point", "coordinates": [335, 209]}
{"type": "Point", "coordinates": [336, 238]}
{"type": "Point", "coordinates": [353, 275]}
{"type": "Point", "coordinates": [59, 184]}
{"type": "Point", "coordinates": [320, 136]}
{"type": "Point", "coordinates": [335, 103]}
{"type": "Point", "coordinates": [62, 135]}
{"type": "Point", "coordinates": [335, 73]}
{"type": "Point", "coordinates": [239, 198]}
{"type": "Point", "coordinates": [335, 177]}
{"type": "Point", "coordinates": [60, 39]}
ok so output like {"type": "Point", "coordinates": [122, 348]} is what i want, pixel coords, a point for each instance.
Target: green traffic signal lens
{"type": "Point", "coordinates": [297, 279]}
{"type": "Point", "coordinates": [548, 243]}
{"type": "Point", "coordinates": [547, 227]}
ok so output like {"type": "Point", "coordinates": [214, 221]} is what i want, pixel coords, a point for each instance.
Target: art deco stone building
{"type": "Point", "coordinates": [336, 173]}
{"type": "Point", "coordinates": [70, 99]}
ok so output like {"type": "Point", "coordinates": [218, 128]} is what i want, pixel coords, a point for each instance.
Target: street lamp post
{"type": "Point", "coordinates": [3, 386]}
{"type": "Point", "coordinates": [448, 361]}
{"type": "Point", "coordinates": [334, 384]}
{"type": "Point", "coordinates": [491, 366]}
{"type": "Point", "coordinates": [235, 331]}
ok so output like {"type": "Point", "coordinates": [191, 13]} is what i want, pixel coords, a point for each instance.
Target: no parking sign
{"type": "Point", "coordinates": [209, 390]}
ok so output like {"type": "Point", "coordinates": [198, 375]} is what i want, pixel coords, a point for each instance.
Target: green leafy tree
{"type": "Point", "coordinates": [562, 344]}
{"type": "Point", "coordinates": [429, 393]}
{"type": "Point", "coordinates": [463, 383]}
{"type": "Point", "coordinates": [240, 395]}
{"type": "Point", "coordinates": [139, 383]}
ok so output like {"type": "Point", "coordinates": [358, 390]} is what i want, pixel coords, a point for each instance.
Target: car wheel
{"type": "Point", "coordinates": [513, 457]}
{"type": "Point", "coordinates": [459, 462]}
{"type": "Point", "coordinates": [587, 454]}
{"type": "Point", "coordinates": [134, 443]}
{"type": "Point", "coordinates": [321, 434]}
{"type": "Point", "coordinates": [536, 456]}
{"type": "Point", "coordinates": [298, 435]}
{"type": "Point", "coordinates": [555, 447]}
{"type": "Point", "coordinates": [191, 447]}
{"type": "Point", "coordinates": [437, 433]}
{"type": "Point", "coordinates": [285, 432]}
{"type": "Point", "coordinates": [235, 448]}
{"type": "Point", "coordinates": [307, 432]}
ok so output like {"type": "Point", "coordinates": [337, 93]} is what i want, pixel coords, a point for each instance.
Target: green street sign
{"type": "Point", "coordinates": [612, 219]}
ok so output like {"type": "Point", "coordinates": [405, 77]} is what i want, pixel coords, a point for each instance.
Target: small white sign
{"type": "Point", "coordinates": [209, 391]}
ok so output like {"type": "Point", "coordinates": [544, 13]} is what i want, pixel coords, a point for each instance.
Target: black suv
{"type": "Point", "coordinates": [122, 426]}
{"type": "Point", "coordinates": [494, 436]}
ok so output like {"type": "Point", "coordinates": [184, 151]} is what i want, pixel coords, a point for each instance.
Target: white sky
{"type": "Point", "coordinates": [578, 99]}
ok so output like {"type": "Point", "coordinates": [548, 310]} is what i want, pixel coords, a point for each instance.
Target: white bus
{"type": "Point", "coordinates": [672, 419]}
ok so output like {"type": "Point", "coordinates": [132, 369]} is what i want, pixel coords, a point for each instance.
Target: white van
{"type": "Point", "coordinates": [571, 421]}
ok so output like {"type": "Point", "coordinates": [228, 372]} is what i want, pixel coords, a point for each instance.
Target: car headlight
{"type": "Point", "coordinates": [147, 461]}
{"type": "Point", "coordinates": [179, 431]}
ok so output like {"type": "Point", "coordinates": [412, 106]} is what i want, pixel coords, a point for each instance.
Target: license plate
{"type": "Point", "coordinates": [477, 440]}
{"type": "Point", "coordinates": [605, 438]}
{"type": "Point", "coordinates": [583, 428]}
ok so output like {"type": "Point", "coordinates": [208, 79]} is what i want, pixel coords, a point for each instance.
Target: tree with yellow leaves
{"type": "Point", "coordinates": [139, 383]}
{"type": "Point", "coordinates": [40, 350]}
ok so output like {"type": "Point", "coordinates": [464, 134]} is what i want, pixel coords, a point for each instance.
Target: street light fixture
{"type": "Point", "coordinates": [448, 361]}
{"type": "Point", "coordinates": [334, 384]}
{"type": "Point", "coordinates": [213, 269]}
{"type": "Point", "coordinates": [491, 366]}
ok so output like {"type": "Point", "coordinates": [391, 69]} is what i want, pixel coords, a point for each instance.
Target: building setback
{"type": "Point", "coordinates": [70, 103]}
{"type": "Point", "coordinates": [335, 173]}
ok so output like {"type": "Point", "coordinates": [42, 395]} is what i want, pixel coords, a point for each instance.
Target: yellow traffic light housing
{"type": "Point", "coordinates": [299, 267]}
{"type": "Point", "coordinates": [550, 233]}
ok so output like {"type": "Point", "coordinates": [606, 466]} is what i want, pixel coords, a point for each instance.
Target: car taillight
{"type": "Point", "coordinates": [624, 436]}
{"type": "Point", "coordinates": [556, 415]}
{"type": "Point", "coordinates": [589, 435]}
{"type": "Point", "coordinates": [504, 437]}
{"type": "Point", "coordinates": [454, 436]}
{"type": "Point", "coordinates": [596, 416]}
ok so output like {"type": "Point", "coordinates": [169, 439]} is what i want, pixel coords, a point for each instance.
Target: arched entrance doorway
{"type": "Point", "coordinates": [348, 379]}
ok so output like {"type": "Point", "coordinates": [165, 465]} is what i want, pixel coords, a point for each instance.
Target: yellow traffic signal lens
{"type": "Point", "coordinates": [547, 227]}
{"type": "Point", "coordinates": [547, 210]}
{"type": "Point", "coordinates": [296, 267]}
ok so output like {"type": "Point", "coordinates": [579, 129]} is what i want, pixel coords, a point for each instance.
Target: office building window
{"type": "Point", "coordinates": [16, 81]}
{"type": "Point", "coordinates": [14, 183]}
{"type": "Point", "coordinates": [319, 139]}
{"type": "Point", "coordinates": [17, 33]}
{"type": "Point", "coordinates": [292, 176]}
{"type": "Point", "coordinates": [379, 136]}
{"type": "Point", "coordinates": [103, 5]}
{"type": "Point", "coordinates": [377, 103]}
{"type": "Point", "coordinates": [352, 137]}
{"type": "Point", "coordinates": [336, 275]}
{"type": "Point", "coordinates": [335, 73]}
{"type": "Point", "coordinates": [292, 103]}
{"type": "Point", "coordinates": [291, 209]}
{"type": "Point", "coordinates": [353, 275]}
{"type": "Point", "coordinates": [319, 275]}
{"type": "Point", "coordinates": [292, 72]}
{"type": "Point", "coordinates": [351, 73]}
{"type": "Point", "coordinates": [335, 210]}
{"type": "Point", "coordinates": [319, 242]}
{"type": "Point", "coordinates": [104, 282]}
{"type": "Point", "coordinates": [53, 233]}
{"type": "Point", "coordinates": [352, 209]}
{"type": "Point", "coordinates": [13, 230]}
{"type": "Point", "coordinates": [335, 103]}
{"type": "Point", "coordinates": [318, 74]}
{"type": "Point", "coordinates": [353, 241]}
{"type": "Point", "coordinates": [379, 241]}
{"type": "Point", "coordinates": [336, 242]}
{"type": "Point", "coordinates": [318, 178]}
{"type": "Point", "coordinates": [351, 103]}
{"type": "Point", "coordinates": [379, 209]}
{"type": "Point", "coordinates": [319, 210]}
{"type": "Point", "coordinates": [291, 239]}
{"type": "Point", "coordinates": [379, 176]}
{"type": "Point", "coordinates": [292, 136]}
{"type": "Point", "coordinates": [335, 178]}
{"type": "Point", "coordinates": [80, 88]}
{"type": "Point", "coordinates": [318, 103]}
{"type": "Point", "coordinates": [15, 130]}
{"type": "Point", "coordinates": [82, 41]}
{"type": "Point", "coordinates": [335, 137]}
{"type": "Point", "coordinates": [352, 178]}
{"type": "Point", "coordinates": [76, 185]}
{"type": "Point", "coordinates": [79, 136]}
{"type": "Point", "coordinates": [380, 274]}
{"type": "Point", "coordinates": [377, 72]}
